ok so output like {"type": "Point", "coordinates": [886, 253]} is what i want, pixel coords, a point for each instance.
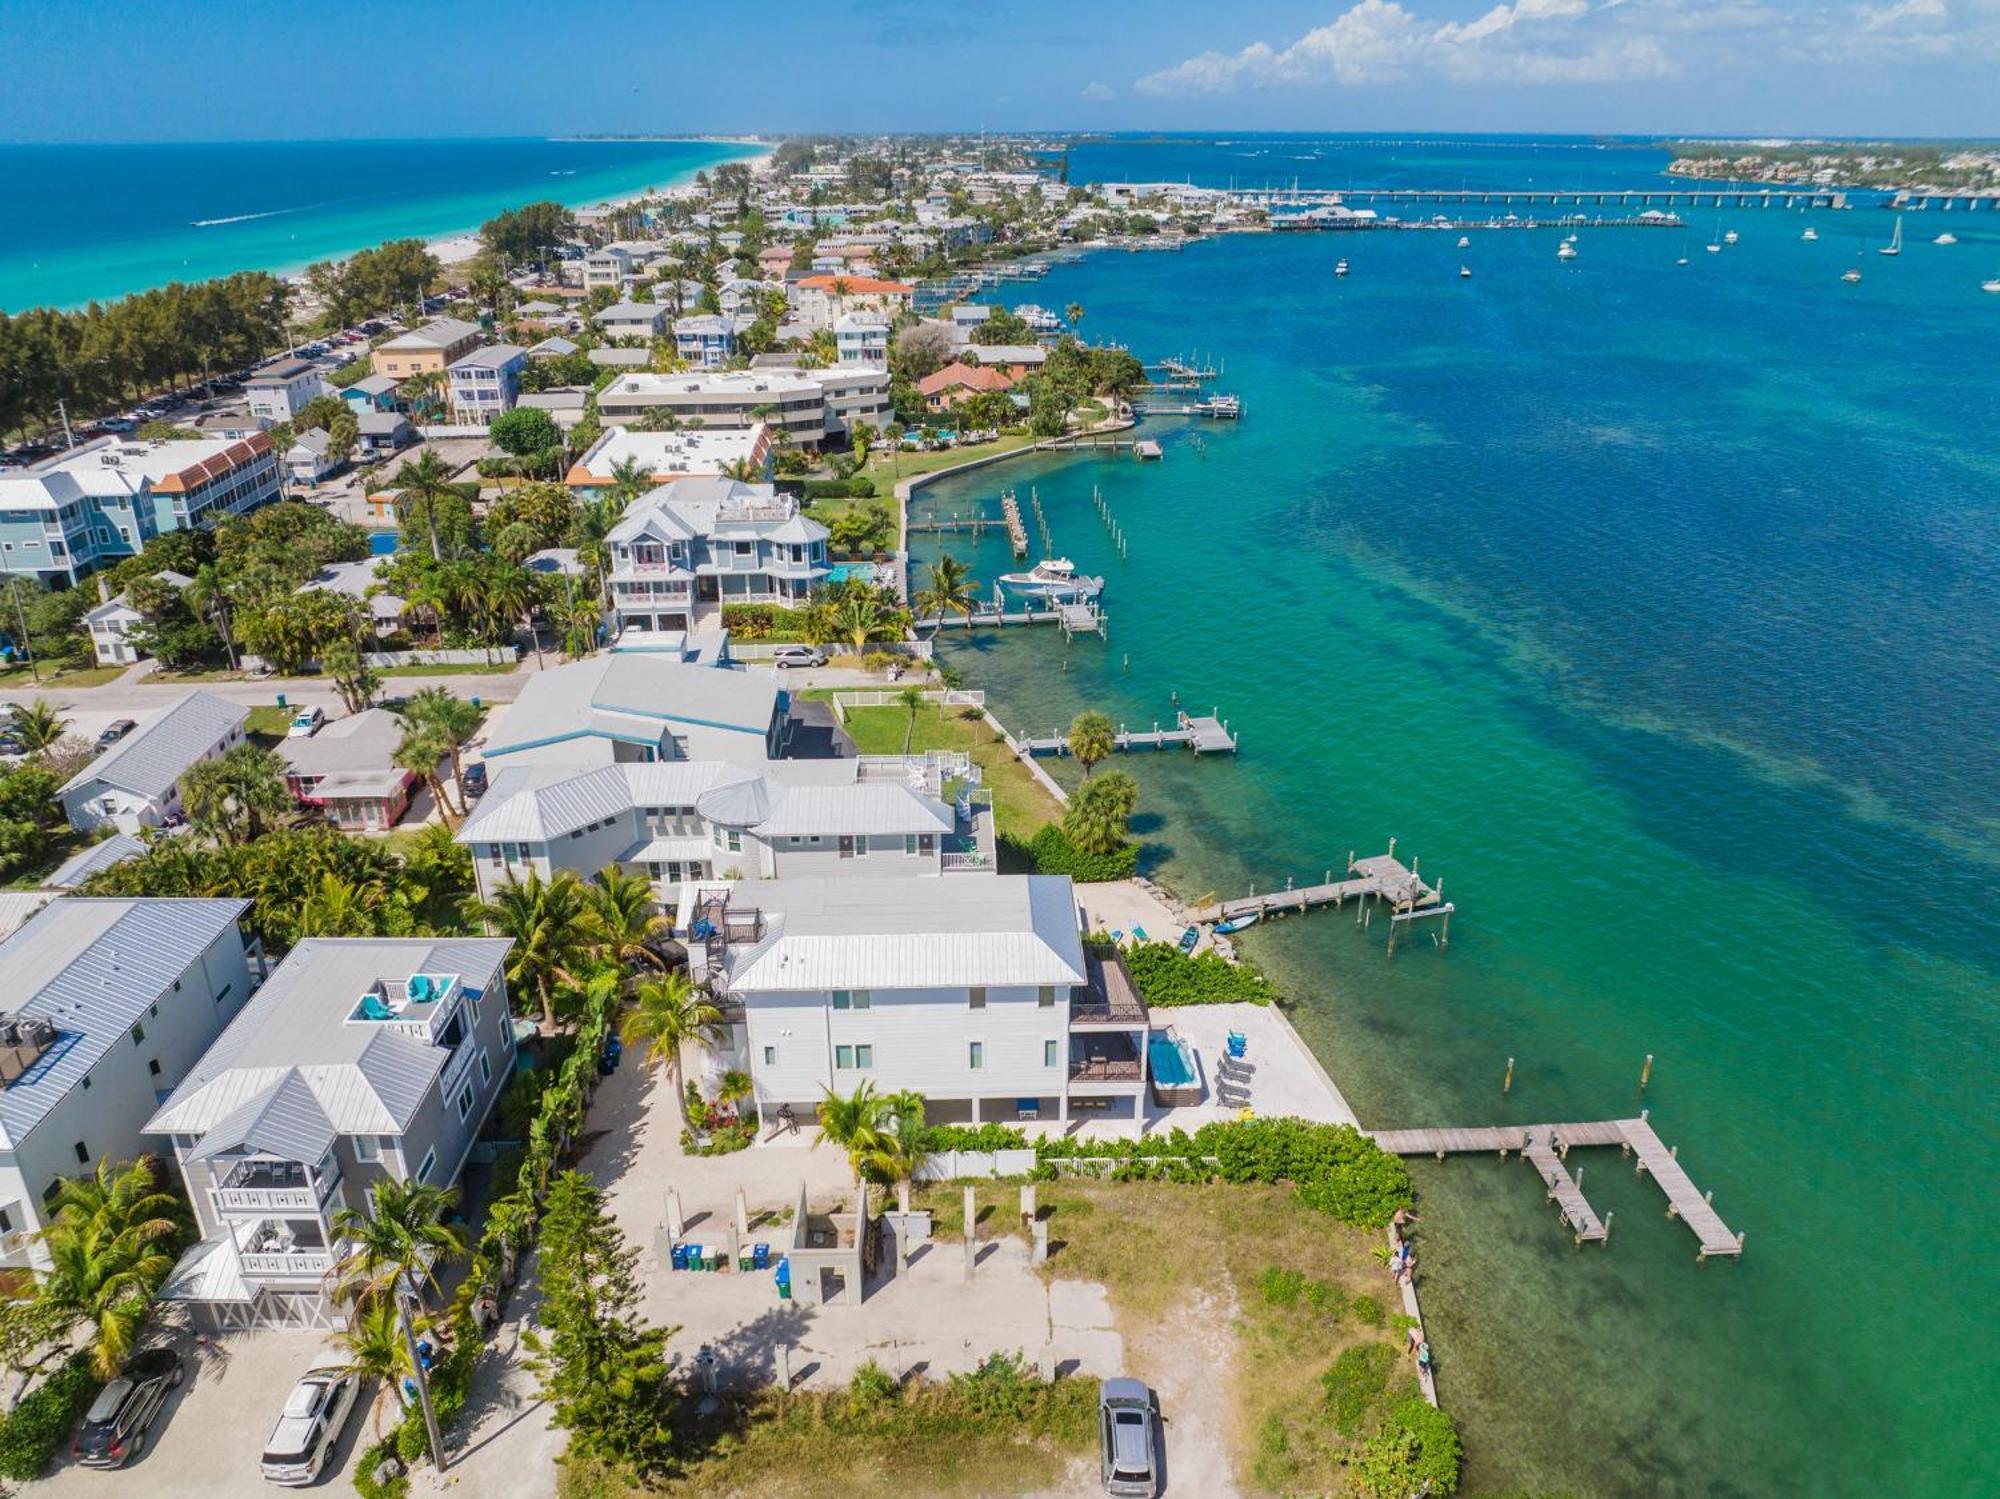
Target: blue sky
{"type": "Point", "coordinates": [199, 69]}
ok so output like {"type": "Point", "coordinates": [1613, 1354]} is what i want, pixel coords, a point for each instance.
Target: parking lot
{"type": "Point", "coordinates": [206, 1441]}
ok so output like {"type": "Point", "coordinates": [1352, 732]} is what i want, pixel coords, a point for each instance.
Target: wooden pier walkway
{"type": "Point", "coordinates": [1380, 877]}
{"type": "Point", "coordinates": [1207, 735]}
{"type": "Point", "coordinates": [1547, 1147]}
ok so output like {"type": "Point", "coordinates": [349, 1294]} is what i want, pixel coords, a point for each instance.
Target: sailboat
{"type": "Point", "coordinates": [1895, 245]}
{"type": "Point", "coordinates": [1465, 273]}
{"type": "Point", "coordinates": [1810, 234]}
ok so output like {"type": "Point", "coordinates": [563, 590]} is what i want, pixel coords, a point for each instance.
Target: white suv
{"type": "Point", "coordinates": [797, 655]}
{"type": "Point", "coordinates": [315, 1414]}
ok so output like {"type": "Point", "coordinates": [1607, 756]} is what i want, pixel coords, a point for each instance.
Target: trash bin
{"type": "Point", "coordinates": [760, 1256]}
{"type": "Point", "coordinates": [784, 1279]}
{"type": "Point", "coordinates": [281, 700]}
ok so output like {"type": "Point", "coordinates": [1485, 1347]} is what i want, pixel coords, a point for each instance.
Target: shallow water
{"type": "Point", "coordinates": [1654, 608]}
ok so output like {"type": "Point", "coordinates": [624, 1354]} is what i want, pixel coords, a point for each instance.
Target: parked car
{"type": "Point", "coordinates": [114, 1428]}
{"type": "Point", "coordinates": [475, 778]}
{"type": "Point", "coordinates": [115, 731]}
{"type": "Point", "coordinates": [786, 656]}
{"type": "Point", "coordinates": [315, 1413]}
{"type": "Point", "coordinates": [1126, 1418]}
{"type": "Point", "coordinates": [305, 723]}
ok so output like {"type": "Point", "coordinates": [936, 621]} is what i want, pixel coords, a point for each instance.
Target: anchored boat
{"type": "Point", "coordinates": [1054, 578]}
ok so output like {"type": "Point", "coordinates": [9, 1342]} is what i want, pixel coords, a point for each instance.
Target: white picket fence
{"type": "Point", "coordinates": [948, 697]}
{"type": "Point", "coordinates": [956, 1165]}
{"type": "Point", "coordinates": [498, 656]}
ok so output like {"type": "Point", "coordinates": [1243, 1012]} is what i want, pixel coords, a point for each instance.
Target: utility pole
{"type": "Point", "coordinates": [423, 1381]}
{"type": "Point", "coordinates": [69, 437]}
{"type": "Point", "coordinates": [21, 615]}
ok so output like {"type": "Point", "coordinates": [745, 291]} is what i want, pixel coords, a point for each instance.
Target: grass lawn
{"type": "Point", "coordinates": [268, 723]}
{"type": "Point", "coordinates": [1306, 1290]}
{"type": "Point", "coordinates": [17, 677]}
{"type": "Point", "coordinates": [1021, 804]}
{"type": "Point", "coordinates": [450, 669]}
{"type": "Point", "coordinates": [199, 674]}
{"type": "Point", "coordinates": [886, 471]}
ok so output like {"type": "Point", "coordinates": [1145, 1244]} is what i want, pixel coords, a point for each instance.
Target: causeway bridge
{"type": "Point", "coordinates": [1696, 195]}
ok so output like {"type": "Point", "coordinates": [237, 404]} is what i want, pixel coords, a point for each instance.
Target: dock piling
{"type": "Point", "coordinates": [1507, 1082]}
{"type": "Point", "coordinates": [1646, 1072]}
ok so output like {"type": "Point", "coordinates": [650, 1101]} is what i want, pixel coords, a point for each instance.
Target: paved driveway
{"type": "Point", "coordinates": [207, 1441]}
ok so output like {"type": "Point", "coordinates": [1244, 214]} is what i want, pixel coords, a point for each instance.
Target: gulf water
{"type": "Point", "coordinates": [1656, 609]}
{"type": "Point", "coordinates": [99, 221]}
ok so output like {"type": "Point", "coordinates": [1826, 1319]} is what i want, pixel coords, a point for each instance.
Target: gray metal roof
{"type": "Point", "coordinates": [285, 1120]}
{"type": "Point", "coordinates": [363, 742]}
{"type": "Point", "coordinates": [878, 807]}
{"type": "Point", "coordinates": [439, 333]}
{"type": "Point", "coordinates": [944, 933]}
{"type": "Point", "coordinates": [366, 1078]}
{"type": "Point", "coordinates": [149, 760]}
{"type": "Point", "coordinates": [91, 968]}
{"type": "Point", "coordinates": [493, 356]}
{"type": "Point", "coordinates": [632, 697]}
{"type": "Point", "coordinates": [79, 867]}
{"type": "Point", "coordinates": [534, 803]}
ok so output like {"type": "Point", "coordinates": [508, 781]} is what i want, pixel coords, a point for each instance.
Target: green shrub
{"type": "Point", "coordinates": [367, 1462]}
{"type": "Point", "coordinates": [1164, 975]}
{"type": "Point", "coordinates": [1050, 852]}
{"type": "Point", "coordinates": [1367, 1309]}
{"type": "Point", "coordinates": [1282, 1286]}
{"type": "Point", "coordinates": [941, 1137]}
{"type": "Point", "coordinates": [1436, 1465]}
{"type": "Point", "coordinates": [34, 1429]}
{"type": "Point", "coordinates": [1356, 1384]}
{"type": "Point", "coordinates": [765, 622]}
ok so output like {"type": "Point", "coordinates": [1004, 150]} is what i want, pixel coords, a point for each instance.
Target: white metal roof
{"type": "Point", "coordinates": [636, 697]}
{"type": "Point", "coordinates": [1007, 931]}
{"type": "Point", "coordinates": [79, 867]}
{"type": "Point", "coordinates": [149, 760]}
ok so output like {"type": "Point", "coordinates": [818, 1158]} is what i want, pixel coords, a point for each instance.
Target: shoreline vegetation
{"type": "Point", "coordinates": [1888, 166]}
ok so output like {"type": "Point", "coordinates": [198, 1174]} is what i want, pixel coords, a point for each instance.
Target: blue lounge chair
{"type": "Point", "coordinates": [1139, 934]}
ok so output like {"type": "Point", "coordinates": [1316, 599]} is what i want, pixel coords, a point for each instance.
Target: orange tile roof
{"type": "Point", "coordinates": [858, 286]}
{"type": "Point", "coordinates": [230, 458]}
{"type": "Point", "coordinates": [969, 376]}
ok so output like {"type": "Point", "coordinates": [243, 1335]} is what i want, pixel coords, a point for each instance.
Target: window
{"type": "Point", "coordinates": [485, 1067]}
{"type": "Point", "coordinates": [977, 1058]}
{"type": "Point", "coordinates": [850, 999]}
{"type": "Point", "coordinates": [976, 998]}
{"type": "Point", "coordinates": [1048, 1053]}
{"type": "Point", "coordinates": [138, 1035]}
{"type": "Point", "coordinates": [223, 993]}
{"type": "Point", "coordinates": [367, 1149]}
{"type": "Point", "coordinates": [6, 1221]}
{"type": "Point", "coordinates": [82, 1153]}
{"type": "Point", "coordinates": [864, 1056]}
{"type": "Point", "coordinates": [154, 1066]}
{"type": "Point", "coordinates": [770, 1056]}
{"type": "Point", "coordinates": [430, 1160]}
{"type": "Point", "coordinates": [464, 1102]}
{"type": "Point", "coordinates": [843, 1057]}
{"type": "Point", "coordinates": [1045, 996]}
{"type": "Point", "coordinates": [909, 843]}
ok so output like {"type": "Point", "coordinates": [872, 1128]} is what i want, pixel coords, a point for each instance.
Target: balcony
{"type": "Point", "coordinates": [418, 1007]}
{"type": "Point", "coordinates": [457, 1069]}
{"type": "Point", "coordinates": [273, 1249]}
{"type": "Point", "coordinates": [1108, 999]}
{"type": "Point", "coordinates": [273, 1187]}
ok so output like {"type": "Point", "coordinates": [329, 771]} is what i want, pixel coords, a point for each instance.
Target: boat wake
{"type": "Point", "coordinates": [238, 218]}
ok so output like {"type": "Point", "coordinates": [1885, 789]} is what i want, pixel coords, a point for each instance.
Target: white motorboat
{"type": "Point", "coordinates": [1895, 245]}
{"type": "Point", "coordinates": [1851, 275]}
{"type": "Point", "coordinates": [1340, 267]}
{"type": "Point", "coordinates": [1946, 238]}
{"type": "Point", "coordinates": [1729, 238]}
{"type": "Point", "coordinates": [1464, 242]}
{"type": "Point", "coordinates": [1054, 578]}
{"type": "Point", "coordinates": [1810, 234]}
{"type": "Point", "coordinates": [1565, 251]}
{"type": "Point", "coordinates": [1993, 285]}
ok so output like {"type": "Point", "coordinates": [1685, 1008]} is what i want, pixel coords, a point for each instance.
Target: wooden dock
{"type": "Point", "coordinates": [1547, 1147]}
{"type": "Point", "coordinates": [1208, 735]}
{"type": "Point", "coordinates": [1380, 879]}
{"type": "Point", "coordinates": [1017, 534]}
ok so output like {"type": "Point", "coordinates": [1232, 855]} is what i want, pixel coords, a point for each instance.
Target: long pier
{"type": "Point", "coordinates": [1547, 1146]}
{"type": "Point", "coordinates": [1205, 735]}
{"type": "Point", "coordinates": [1694, 196]}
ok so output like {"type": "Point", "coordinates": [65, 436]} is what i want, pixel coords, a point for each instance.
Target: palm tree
{"type": "Point", "coordinates": [511, 595]}
{"type": "Point", "coordinates": [108, 1245]}
{"type": "Point", "coordinates": [911, 698]}
{"type": "Point", "coordinates": [858, 619]}
{"type": "Point", "coordinates": [734, 1087]}
{"type": "Point", "coordinates": [542, 916]}
{"type": "Point", "coordinates": [669, 1013]}
{"type": "Point", "coordinates": [1090, 739]}
{"type": "Point", "coordinates": [38, 725]}
{"type": "Point", "coordinates": [630, 478]}
{"type": "Point", "coordinates": [453, 720]}
{"type": "Point", "coordinates": [339, 908]}
{"type": "Point", "coordinates": [401, 1237]}
{"type": "Point", "coordinates": [230, 796]}
{"type": "Point", "coordinates": [621, 920]}
{"type": "Point", "coordinates": [377, 1350]}
{"type": "Point", "coordinates": [426, 480]}
{"type": "Point", "coordinates": [580, 625]}
{"type": "Point", "coordinates": [421, 391]}
{"type": "Point", "coordinates": [419, 752]}
{"type": "Point", "coordinates": [1095, 820]}
{"type": "Point", "coordinates": [209, 598]}
{"type": "Point", "coordinates": [951, 590]}
{"type": "Point", "coordinates": [1074, 312]}
{"type": "Point", "coordinates": [892, 1158]}
{"type": "Point", "coordinates": [853, 1122]}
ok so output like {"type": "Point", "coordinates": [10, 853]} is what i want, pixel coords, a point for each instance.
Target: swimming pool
{"type": "Point", "coordinates": [851, 572]}
{"type": "Point", "coordinates": [1173, 1060]}
{"type": "Point", "coordinates": [383, 543]}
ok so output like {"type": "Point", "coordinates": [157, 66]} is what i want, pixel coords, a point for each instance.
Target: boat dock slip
{"type": "Point", "coordinates": [1205, 736]}
{"type": "Point", "coordinates": [1381, 878]}
{"type": "Point", "coordinates": [1547, 1148]}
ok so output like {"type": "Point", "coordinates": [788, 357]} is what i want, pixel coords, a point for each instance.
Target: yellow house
{"type": "Point", "coordinates": [431, 349]}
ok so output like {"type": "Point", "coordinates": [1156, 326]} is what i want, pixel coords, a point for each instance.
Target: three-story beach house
{"type": "Point", "coordinates": [360, 1059]}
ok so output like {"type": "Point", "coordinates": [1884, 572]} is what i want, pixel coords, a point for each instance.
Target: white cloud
{"type": "Point", "coordinates": [1374, 41]}
{"type": "Point", "coordinates": [1097, 92]}
{"type": "Point", "coordinates": [1876, 18]}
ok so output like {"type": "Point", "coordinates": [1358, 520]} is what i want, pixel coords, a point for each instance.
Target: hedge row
{"type": "Point", "coordinates": [1167, 976]}
{"type": "Point", "coordinates": [1051, 852]}
{"type": "Point", "coordinates": [32, 1431]}
{"type": "Point", "coordinates": [860, 487]}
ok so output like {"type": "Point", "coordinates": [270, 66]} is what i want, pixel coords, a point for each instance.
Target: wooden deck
{"type": "Point", "coordinates": [1380, 877]}
{"type": "Point", "coordinates": [1208, 735]}
{"type": "Point", "coordinates": [1547, 1147]}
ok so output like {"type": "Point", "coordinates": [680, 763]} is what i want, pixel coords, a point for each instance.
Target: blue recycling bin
{"type": "Point", "coordinates": [760, 1256]}
{"type": "Point", "coordinates": [784, 1279]}
{"type": "Point", "coordinates": [679, 1257]}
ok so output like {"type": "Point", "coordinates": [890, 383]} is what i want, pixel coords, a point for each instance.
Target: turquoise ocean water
{"type": "Point", "coordinates": [1657, 609]}
{"type": "Point", "coordinates": [84, 222]}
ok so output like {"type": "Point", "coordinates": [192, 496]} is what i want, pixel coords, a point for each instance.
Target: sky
{"type": "Point", "coordinates": [142, 70]}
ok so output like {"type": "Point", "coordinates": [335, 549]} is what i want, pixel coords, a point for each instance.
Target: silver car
{"type": "Point", "coordinates": [315, 1414]}
{"type": "Point", "coordinates": [798, 655]}
{"type": "Point", "coordinates": [1126, 1418]}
